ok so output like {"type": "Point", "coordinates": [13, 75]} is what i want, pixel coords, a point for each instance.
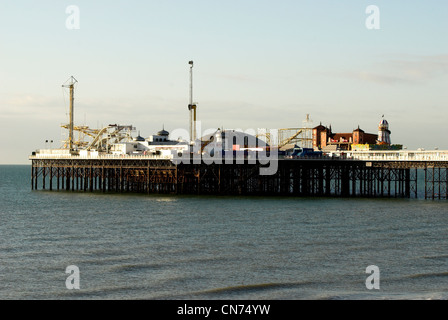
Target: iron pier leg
{"type": "Point", "coordinates": [51, 178]}
{"type": "Point", "coordinates": [408, 183]}
{"type": "Point", "coordinates": [44, 172]}
{"type": "Point", "coordinates": [32, 175]}
{"type": "Point", "coordinates": [91, 179]}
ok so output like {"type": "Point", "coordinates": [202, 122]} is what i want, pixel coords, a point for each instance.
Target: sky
{"type": "Point", "coordinates": [257, 64]}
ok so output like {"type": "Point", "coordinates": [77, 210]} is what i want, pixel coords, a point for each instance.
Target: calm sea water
{"type": "Point", "coordinates": [201, 247]}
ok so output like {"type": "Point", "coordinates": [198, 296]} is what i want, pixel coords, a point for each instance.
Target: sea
{"type": "Point", "coordinates": [168, 247]}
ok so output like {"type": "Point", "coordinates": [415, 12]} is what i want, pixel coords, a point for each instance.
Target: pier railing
{"type": "Point", "coordinates": [99, 157]}
{"type": "Point", "coordinates": [402, 155]}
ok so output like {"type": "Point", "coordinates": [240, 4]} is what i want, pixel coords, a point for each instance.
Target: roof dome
{"type": "Point", "coordinates": [139, 138]}
{"type": "Point", "coordinates": [163, 132]}
{"type": "Point", "coordinates": [241, 138]}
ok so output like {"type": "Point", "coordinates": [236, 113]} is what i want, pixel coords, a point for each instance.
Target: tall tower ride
{"type": "Point", "coordinates": [192, 107]}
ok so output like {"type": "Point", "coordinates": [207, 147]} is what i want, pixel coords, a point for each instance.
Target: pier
{"type": "Point", "coordinates": [379, 174]}
{"type": "Point", "coordinates": [309, 162]}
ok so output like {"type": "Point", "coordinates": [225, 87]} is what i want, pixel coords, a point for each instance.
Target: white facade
{"type": "Point", "coordinates": [158, 144]}
{"type": "Point", "coordinates": [123, 148]}
{"type": "Point", "coordinates": [155, 146]}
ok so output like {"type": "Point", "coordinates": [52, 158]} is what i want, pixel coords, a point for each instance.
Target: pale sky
{"type": "Point", "coordinates": [257, 64]}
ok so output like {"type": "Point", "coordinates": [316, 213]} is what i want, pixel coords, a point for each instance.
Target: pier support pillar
{"type": "Point", "coordinates": [51, 178]}
{"type": "Point", "coordinates": [32, 175]}
{"type": "Point", "coordinates": [44, 172]}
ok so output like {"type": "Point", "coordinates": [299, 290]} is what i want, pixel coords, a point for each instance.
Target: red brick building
{"type": "Point", "coordinates": [323, 137]}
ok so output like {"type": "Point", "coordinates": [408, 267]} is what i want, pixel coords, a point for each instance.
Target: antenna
{"type": "Point", "coordinates": [191, 81]}
{"type": "Point", "coordinates": [70, 83]}
{"type": "Point", "coordinates": [192, 107]}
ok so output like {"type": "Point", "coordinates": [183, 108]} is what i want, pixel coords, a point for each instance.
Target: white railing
{"type": "Point", "coordinates": [100, 157]}
{"type": "Point", "coordinates": [401, 155]}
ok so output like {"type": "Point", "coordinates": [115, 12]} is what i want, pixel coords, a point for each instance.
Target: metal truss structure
{"type": "Point", "coordinates": [100, 139]}
{"type": "Point", "coordinates": [322, 178]}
